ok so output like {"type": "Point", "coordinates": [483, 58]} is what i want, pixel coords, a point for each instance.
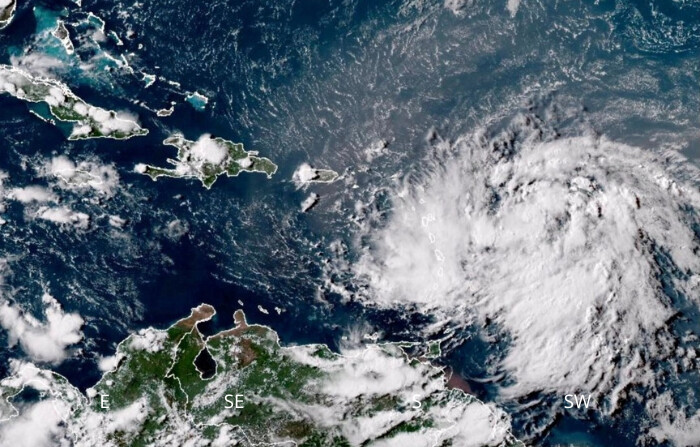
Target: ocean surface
{"type": "Point", "coordinates": [369, 89]}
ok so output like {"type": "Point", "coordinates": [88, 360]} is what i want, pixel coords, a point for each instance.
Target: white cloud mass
{"type": "Point", "coordinates": [32, 193]}
{"type": "Point", "coordinates": [304, 174]}
{"type": "Point", "coordinates": [38, 426]}
{"type": "Point", "coordinates": [64, 216]}
{"type": "Point", "coordinates": [88, 175]}
{"type": "Point", "coordinates": [44, 341]}
{"type": "Point", "coordinates": [377, 371]}
{"type": "Point", "coordinates": [561, 243]}
{"type": "Point", "coordinates": [208, 150]}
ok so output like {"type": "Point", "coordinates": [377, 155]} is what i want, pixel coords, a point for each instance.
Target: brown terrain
{"type": "Point", "coordinates": [202, 312]}
{"type": "Point", "coordinates": [6, 13]}
{"type": "Point", "coordinates": [455, 381]}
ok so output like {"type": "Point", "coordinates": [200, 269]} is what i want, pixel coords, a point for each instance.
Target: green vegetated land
{"type": "Point", "coordinates": [241, 387]}
{"type": "Point", "coordinates": [63, 105]}
{"type": "Point", "coordinates": [194, 163]}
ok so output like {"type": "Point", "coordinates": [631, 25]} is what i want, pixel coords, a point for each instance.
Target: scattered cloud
{"type": "Point", "coordinates": [40, 425]}
{"type": "Point", "coordinates": [37, 63]}
{"type": "Point", "coordinates": [44, 341]}
{"type": "Point", "coordinates": [85, 175]}
{"type": "Point", "coordinates": [148, 340]}
{"type": "Point", "coordinates": [364, 373]}
{"type": "Point", "coordinates": [64, 216]}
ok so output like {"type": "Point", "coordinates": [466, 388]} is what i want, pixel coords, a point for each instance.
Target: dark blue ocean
{"type": "Point", "coordinates": [313, 81]}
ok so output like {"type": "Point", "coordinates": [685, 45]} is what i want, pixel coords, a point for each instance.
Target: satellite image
{"type": "Point", "coordinates": [350, 223]}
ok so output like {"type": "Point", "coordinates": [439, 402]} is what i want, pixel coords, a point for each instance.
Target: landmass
{"type": "Point", "coordinates": [306, 174]}
{"type": "Point", "coordinates": [87, 120]}
{"type": "Point", "coordinates": [166, 112]}
{"type": "Point", "coordinates": [208, 158]}
{"type": "Point", "coordinates": [240, 387]}
{"type": "Point", "coordinates": [7, 12]}
{"type": "Point", "coordinates": [61, 33]}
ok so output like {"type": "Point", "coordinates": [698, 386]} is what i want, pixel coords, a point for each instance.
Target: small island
{"type": "Point", "coordinates": [166, 112]}
{"type": "Point", "coordinates": [208, 158]}
{"type": "Point", "coordinates": [61, 33]}
{"type": "Point", "coordinates": [306, 174]}
{"type": "Point", "coordinates": [63, 105]}
{"type": "Point", "coordinates": [241, 387]}
{"type": "Point", "coordinates": [7, 12]}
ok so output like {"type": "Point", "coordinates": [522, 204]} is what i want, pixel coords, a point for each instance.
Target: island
{"type": "Point", "coordinates": [241, 387]}
{"type": "Point", "coordinates": [61, 33]}
{"type": "Point", "coordinates": [197, 100]}
{"type": "Point", "coordinates": [7, 12]}
{"type": "Point", "coordinates": [208, 158]}
{"type": "Point", "coordinates": [63, 105]}
{"type": "Point", "coordinates": [306, 174]}
{"type": "Point", "coordinates": [166, 112]}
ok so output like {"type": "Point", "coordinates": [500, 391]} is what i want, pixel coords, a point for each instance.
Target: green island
{"type": "Point", "coordinates": [208, 158]}
{"type": "Point", "coordinates": [87, 120]}
{"type": "Point", "coordinates": [7, 12]}
{"type": "Point", "coordinates": [241, 387]}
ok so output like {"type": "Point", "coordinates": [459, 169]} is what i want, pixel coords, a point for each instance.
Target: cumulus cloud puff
{"type": "Point", "coordinates": [304, 174]}
{"type": "Point", "coordinates": [44, 341]}
{"type": "Point", "coordinates": [32, 193]}
{"type": "Point", "coordinates": [64, 216]}
{"type": "Point", "coordinates": [208, 150]}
